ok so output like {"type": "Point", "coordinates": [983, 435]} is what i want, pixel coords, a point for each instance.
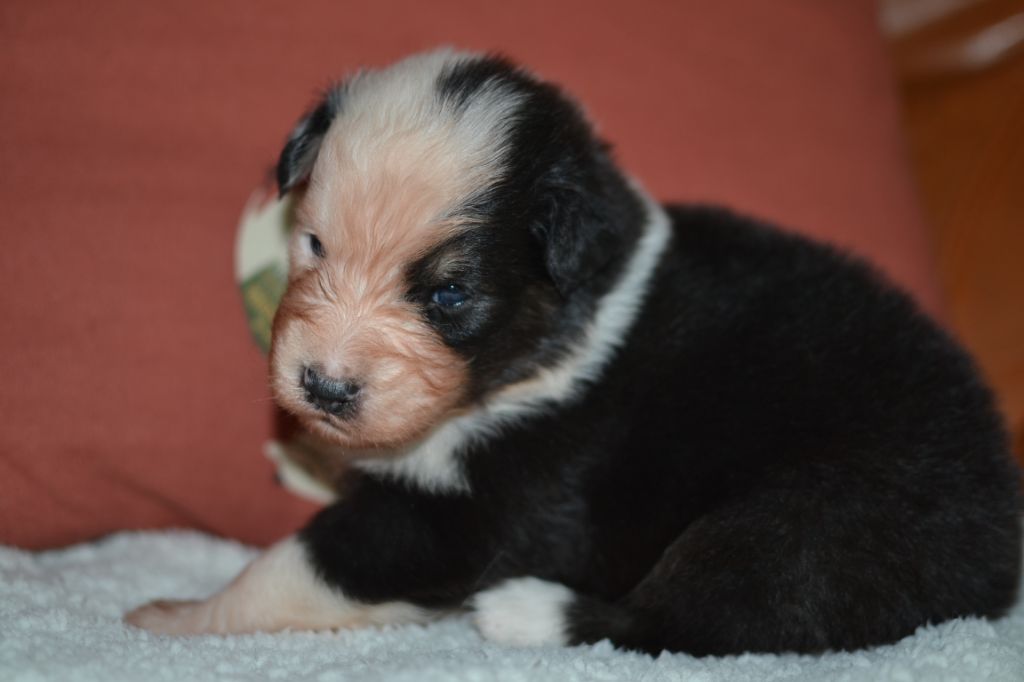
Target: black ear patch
{"type": "Point", "coordinates": [560, 177]}
{"type": "Point", "coordinates": [590, 218]}
{"type": "Point", "coordinates": [299, 154]}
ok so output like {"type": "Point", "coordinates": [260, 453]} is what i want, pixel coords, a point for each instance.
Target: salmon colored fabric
{"type": "Point", "coordinates": [131, 134]}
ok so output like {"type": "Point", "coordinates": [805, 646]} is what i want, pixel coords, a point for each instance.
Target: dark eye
{"type": "Point", "coordinates": [316, 246]}
{"type": "Point", "coordinates": [451, 295]}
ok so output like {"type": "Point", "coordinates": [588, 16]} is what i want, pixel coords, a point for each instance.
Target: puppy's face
{"type": "Point", "coordinates": [444, 247]}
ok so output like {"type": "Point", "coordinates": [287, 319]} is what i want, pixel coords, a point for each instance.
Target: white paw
{"type": "Point", "coordinates": [523, 612]}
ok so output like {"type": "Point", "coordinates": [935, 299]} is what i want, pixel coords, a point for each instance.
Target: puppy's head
{"type": "Point", "coordinates": [457, 222]}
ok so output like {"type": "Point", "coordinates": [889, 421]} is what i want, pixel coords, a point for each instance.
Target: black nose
{"type": "Point", "coordinates": [333, 396]}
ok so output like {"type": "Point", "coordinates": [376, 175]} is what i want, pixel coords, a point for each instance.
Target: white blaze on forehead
{"type": "Point", "coordinates": [398, 151]}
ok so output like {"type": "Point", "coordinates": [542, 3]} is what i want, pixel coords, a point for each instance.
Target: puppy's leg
{"type": "Point", "coordinates": [364, 560]}
{"type": "Point", "coordinates": [278, 590]}
{"type": "Point", "coordinates": [699, 599]}
{"type": "Point", "coordinates": [840, 565]}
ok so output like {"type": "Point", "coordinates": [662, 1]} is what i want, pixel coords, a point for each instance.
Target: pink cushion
{"type": "Point", "coordinates": [132, 133]}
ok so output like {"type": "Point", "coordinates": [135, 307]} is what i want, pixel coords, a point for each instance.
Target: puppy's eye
{"type": "Point", "coordinates": [451, 295]}
{"type": "Point", "coordinates": [316, 246]}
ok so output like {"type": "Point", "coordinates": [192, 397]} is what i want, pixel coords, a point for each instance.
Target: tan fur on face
{"type": "Point", "coordinates": [390, 173]}
{"type": "Point", "coordinates": [357, 326]}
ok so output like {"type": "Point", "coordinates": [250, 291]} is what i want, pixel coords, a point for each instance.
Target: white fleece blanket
{"type": "Point", "coordinates": [60, 619]}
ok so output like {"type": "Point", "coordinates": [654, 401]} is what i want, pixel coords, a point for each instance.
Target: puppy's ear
{"type": "Point", "coordinates": [299, 154]}
{"type": "Point", "coordinates": [591, 220]}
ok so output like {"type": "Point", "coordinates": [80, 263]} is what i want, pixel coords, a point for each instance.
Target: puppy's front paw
{"type": "Point", "coordinates": [524, 612]}
{"type": "Point", "coordinates": [167, 617]}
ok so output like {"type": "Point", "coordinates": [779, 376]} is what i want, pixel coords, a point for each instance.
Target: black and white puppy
{"type": "Point", "coordinates": [589, 416]}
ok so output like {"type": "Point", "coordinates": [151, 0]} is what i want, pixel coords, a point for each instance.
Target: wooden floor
{"type": "Point", "coordinates": [966, 136]}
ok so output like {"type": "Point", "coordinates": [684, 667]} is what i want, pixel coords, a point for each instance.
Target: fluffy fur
{"type": "Point", "coordinates": [673, 427]}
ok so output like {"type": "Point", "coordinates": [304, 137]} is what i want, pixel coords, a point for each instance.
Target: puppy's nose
{"type": "Point", "coordinates": [333, 396]}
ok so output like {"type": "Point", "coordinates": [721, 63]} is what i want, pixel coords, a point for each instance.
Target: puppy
{"type": "Point", "coordinates": [588, 416]}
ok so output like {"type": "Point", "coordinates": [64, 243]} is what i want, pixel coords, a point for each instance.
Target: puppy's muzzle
{"type": "Point", "coordinates": [333, 396]}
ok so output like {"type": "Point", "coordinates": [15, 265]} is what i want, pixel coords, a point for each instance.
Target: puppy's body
{"type": "Point", "coordinates": [678, 430]}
